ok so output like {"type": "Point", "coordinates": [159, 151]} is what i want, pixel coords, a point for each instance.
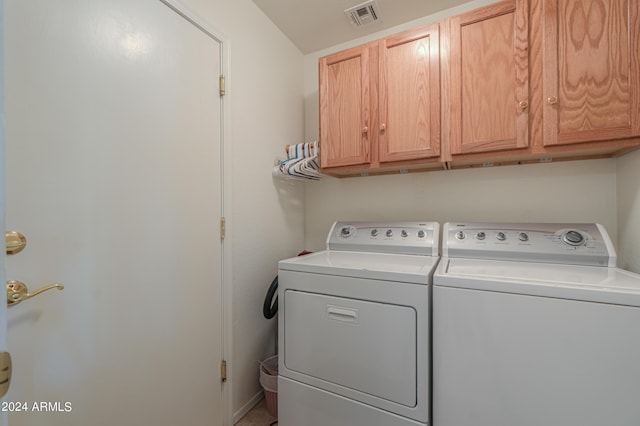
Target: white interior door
{"type": "Point", "coordinates": [113, 173]}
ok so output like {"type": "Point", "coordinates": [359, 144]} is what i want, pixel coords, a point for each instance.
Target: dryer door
{"type": "Point", "coordinates": [363, 346]}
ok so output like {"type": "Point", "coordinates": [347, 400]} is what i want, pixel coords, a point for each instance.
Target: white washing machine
{"type": "Point", "coordinates": [533, 325]}
{"type": "Point", "coordinates": [354, 327]}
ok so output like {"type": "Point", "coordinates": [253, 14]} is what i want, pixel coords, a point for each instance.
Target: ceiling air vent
{"type": "Point", "coordinates": [364, 13]}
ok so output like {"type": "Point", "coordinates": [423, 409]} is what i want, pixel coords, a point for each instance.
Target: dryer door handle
{"type": "Point", "coordinates": [342, 314]}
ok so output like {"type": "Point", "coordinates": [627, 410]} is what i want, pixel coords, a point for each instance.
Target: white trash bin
{"type": "Point", "coordinates": [269, 382]}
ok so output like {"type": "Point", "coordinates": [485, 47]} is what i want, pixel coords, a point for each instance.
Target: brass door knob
{"type": "Point", "coordinates": [17, 291]}
{"type": "Point", "coordinates": [552, 100]}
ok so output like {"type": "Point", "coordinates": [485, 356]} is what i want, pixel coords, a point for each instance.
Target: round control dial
{"type": "Point", "coordinates": [374, 232]}
{"type": "Point", "coordinates": [460, 235]}
{"type": "Point", "coordinates": [389, 233]}
{"type": "Point", "coordinates": [501, 236]}
{"type": "Point", "coordinates": [421, 234]}
{"type": "Point", "coordinates": [523, 237]}
{"type": "Point", "coordinates": [347, 231]}
{"type": "Point", "coordinates": [573, 238]}
{"type": "Point", "coordinates": [481, 235]}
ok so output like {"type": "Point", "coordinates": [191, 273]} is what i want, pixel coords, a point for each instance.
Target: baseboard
{"type": "Point", "coordinates": [247, 407]}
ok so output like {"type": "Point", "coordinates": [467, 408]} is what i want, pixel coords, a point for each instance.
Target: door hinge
{"type": "Point", "coordinates": [223, 228]}
{"type": "Point", "coordinates": [222, 91]}
{"type": "Point", "coordinates": [223, 370]}
{"type": "Point", "coordinates": [5, 372]}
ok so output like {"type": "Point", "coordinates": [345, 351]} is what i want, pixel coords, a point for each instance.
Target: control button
{"type": "Point", "coordinates": [481, 235]}
{"type": "Point", "coordinates": [374, 232]}
{"type": "Point", "coordinates": [404, 234]}
{"type": "Point", "coordinates": [460, 235]}
{"type": "Point", "coordinates": [345, 232]}
{"type": "Point", "coordinates": [389, 233]}
{"type": "Point", "coordinates": [421, 234]}
{"type": "Point", "coordinates": [573, 238]}
{"type": "Point", "coordinates": [523, 236]}
{"type": "Point", "coordinates": [501, 236]}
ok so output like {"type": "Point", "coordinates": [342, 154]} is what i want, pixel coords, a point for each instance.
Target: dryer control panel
{"type": "Point", "coordinates": [418, 238]}
{"type": "Point", "coordinates": [565, 243]}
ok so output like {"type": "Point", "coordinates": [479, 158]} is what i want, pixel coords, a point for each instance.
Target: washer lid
{"type": "Point", "coordinates": [588, 283]}
{"type": "Point", "coordinates": [379, 266]}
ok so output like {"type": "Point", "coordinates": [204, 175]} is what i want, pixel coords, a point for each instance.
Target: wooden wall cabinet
{"type": "Point", "coordinates": [380, 105]}
{"type": "Point", "coordinates": [566, 82]}
{"type": "Point", "coordinates": [345, 107]}
{"type": "Point", "coordinates": [514, 82]}
{"type": "Point", "coordinates": [591, 71]}
{"type": "Point", "coordinates": [489, 79]}
{"type": "Point", "coordinates": [409, 94]}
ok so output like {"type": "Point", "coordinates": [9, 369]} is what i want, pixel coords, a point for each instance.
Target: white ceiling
{"type": "Point", "coordinates": [314, 25]}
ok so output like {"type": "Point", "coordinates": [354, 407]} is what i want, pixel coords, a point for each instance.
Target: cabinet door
{"type": "Point", "coordinates": [591, 70]}
{"type": "Point", "coordinates": [345, 108]}
{"type": "Point", "coordinates": [489, 78]}
{"type": "Point", "coordinates": [409, 66]}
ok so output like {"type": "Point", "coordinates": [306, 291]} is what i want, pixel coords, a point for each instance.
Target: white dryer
{"type": "Point", "coordinates": [533, 325]}
{"type": "Point", "coordinates": [354, 327]}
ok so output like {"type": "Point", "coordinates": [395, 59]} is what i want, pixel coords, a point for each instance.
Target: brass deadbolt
{"type": "Point", "coordinates": [16, 242]}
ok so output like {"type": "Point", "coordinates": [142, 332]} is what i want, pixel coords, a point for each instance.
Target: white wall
{"type": "Point", "coordinates": [265, 109]}
{"type": "Point", "coordinates": [562, 192]}
{"type": "Point", "coordinates": [568, 192]}
{"type": "Point", "coordinates": [628, 185]}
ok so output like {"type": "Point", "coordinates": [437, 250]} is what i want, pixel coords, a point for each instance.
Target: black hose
{"type": "Point", "coordinates": [269, 310]}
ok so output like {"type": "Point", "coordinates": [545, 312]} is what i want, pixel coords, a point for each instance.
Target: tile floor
{"type": "Point", "coordinates": [258, 416]}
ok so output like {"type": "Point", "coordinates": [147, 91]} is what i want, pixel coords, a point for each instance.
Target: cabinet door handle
{"type": "Point", "coordinates": [383, 127]}
{"type": "Point", "coordinates": [552, 100]}
{"type": "Point", "coordinates": [365, 129]}
{"type": "Point", "coordinates": [523, 104]}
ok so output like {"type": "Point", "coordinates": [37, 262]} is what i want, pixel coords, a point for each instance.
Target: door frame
{"type": "Point", "coordinates": [225, 203]}
{"type": "Point", "coordinates": [4, 416]}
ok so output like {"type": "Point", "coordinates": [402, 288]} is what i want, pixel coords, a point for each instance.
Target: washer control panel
{"type": "Point", "coordinates": [576, 244]}
{"type": "Point", "coordinates": [419, 238]}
